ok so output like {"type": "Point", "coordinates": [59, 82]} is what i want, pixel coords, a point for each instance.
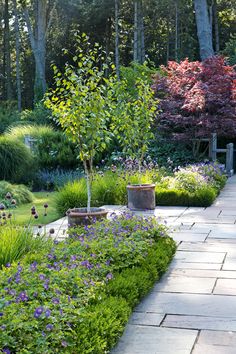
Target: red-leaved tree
{"type": "Point", "coordinates": [197, 99]}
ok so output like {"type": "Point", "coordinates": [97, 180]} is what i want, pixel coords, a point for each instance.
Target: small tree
{"type": "Point", "coordinates": [80, 104]}
{"type": "Point", "coordinates": [133, 120]}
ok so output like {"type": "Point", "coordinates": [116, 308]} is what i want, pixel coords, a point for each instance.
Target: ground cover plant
{"type": "Point", "coordinates": [78, 296]}
{"type": "Point", "coordinates": [193, 185]}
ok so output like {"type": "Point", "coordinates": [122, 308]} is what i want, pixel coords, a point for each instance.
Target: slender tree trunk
{"type": "Point", "coordinates": [7, 52]}
{"type": "Point", "coordinates": [117, 37]}
{"type": "Point", "coordinates": [176, 29]}
{"type": "Point", "coordinates": [203, 29]}
{"type": "Point", "coordinates": [88, 183]}
{"type": "Point", "coordinates": [142, 34]}
{"type": "Point", "coordinates": [216, 27]}
{"type": "Point", "coordinates": [139, 40]}
{"type": "Point", "coordinates": [17, 35]}
{"type": "Point", "coordinates": [135, 30]}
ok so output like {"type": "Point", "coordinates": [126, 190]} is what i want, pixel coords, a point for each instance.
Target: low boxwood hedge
{"type": "Point", "coordinates": [77, 297]}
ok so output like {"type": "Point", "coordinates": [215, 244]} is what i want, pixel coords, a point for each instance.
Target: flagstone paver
{"type": "Point", "coordinates": [192, 310]}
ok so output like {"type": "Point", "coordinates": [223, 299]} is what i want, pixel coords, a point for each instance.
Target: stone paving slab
{"type": "Point", "coordinates": [180, 284]}
{"type": "Point", "coordinates": [200, 323]}
{"type": "Point", "coordinates": [212, 342]}
{"type": "Point", "coordinates": [200, 257]}
{"type": "Point", "coordinates": [146, 319]}
{"type": "Point", "coordinates": [189, 304]}
{"type": "Point", "coordinates": [208, 273]}
{"type": "Point", "coordinates": [188, 236]}
{"type": "Point", "coordinates": [155, 340]}
{"type": "Point", "coordinates": [206, 247]}
{"type": "Point", "coordinates": [175, 264]}
{"type": "Point", "coordinates": [225, 287]}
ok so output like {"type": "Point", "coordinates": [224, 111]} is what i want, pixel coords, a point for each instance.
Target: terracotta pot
{"type": "Point", "coordinates": [141, 196]}
{"type": "Point", "coordinates": [80, 216]}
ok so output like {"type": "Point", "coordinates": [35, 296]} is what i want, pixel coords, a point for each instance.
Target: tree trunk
{"type": "Point", "coordinates": [117, 54]}
{"type": "Point", "coordinates": [176, 30]}
{"type": "Point", "coordinates": [38, 45]}
{"type": "Point", "coordinates": [7, 52]}
{"type": "Point", "coordinates": [87, 170]}
{"type": "Point", "coordinates": [203, 29]}
{"type": "Point", "coordinates": [139, 40]}
{"type": "Point", "coordinates": [17, 35]}
{"type": "Point", "coordinates": [216, 27]}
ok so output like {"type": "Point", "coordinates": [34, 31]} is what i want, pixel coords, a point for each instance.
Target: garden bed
{"type": "Point", "coordinates": [77, 296]}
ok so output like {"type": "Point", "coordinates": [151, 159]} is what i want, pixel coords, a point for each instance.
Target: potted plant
{"type": "Point", "coordinates": [132, 126]}
{"type": "Point", "coordinates": [79, 103]}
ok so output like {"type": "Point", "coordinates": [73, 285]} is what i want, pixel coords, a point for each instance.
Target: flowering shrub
{"type": "Point", "coordinates": [69, 298]}
{"type": "Point", "coordinates": [194, 185]}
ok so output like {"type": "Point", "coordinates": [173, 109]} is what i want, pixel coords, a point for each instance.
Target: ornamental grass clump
{"type": "Point", "coordinates": [67, 299]}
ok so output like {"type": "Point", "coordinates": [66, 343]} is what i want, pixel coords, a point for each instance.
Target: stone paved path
{"type": "Point", "coordinates": [193, 308]}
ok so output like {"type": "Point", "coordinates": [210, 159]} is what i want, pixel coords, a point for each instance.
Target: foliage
{"type": "Point", "coordinates": [108, 188]}
{"type": "Point", "coordinates": [202, 197]}
{"type": "Point", "coordinates": [199, 98]}
{"type": "Point", "coordinates": [170, 154]}
{"type": "Point", "coordinates": [18, 191]}
{"type": "Point", "coordinates": [133, 117]}
{"type": "Point", "coordinates": [50, 147]}
{"type": "Point", "coordinates": [16, 161]}
{"type": "Point", "coordinates": [55, 179]}
{"type": "Point", "coordinates": [17, 242]}
{"type": "Point", "coordinates": [8, 115]}
{"type": "Point", "coordinates": [230, 50]}
{"type": "Point", "coordinates": [79, 103]}
{"type": "Point", "coordinates": [201, 182]}
{"type": "Point", "coordinates": [39, 115]}
{"type": "Point", "coordinates": [61, 299]}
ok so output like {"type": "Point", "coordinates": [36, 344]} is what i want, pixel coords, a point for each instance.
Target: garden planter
{"type": "Point", "coordinates": [80, 216]}
{"type": "Point", "coordinates": [141, 196]}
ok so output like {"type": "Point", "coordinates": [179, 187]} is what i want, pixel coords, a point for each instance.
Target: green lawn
{"type": "Point", "coordinates": [22, 214]}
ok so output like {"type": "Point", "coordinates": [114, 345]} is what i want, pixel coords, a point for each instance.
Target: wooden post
{"type": "Point", "coordinates": [229, 159]}
{"type": "Point", "coordinates": [213, 147]}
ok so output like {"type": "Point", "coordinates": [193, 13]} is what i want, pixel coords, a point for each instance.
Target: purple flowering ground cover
{"type": "Point", "coordinates": [76, 297]}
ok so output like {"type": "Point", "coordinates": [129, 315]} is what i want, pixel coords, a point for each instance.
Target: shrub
{"type": "Point", "coordinates": [201, 197]}
{"type": "Point", "coordinates": [17, 242]}
{"type": "Point", "coordinates": [18, 191]}
{"type": "Point", "coordinates": [16, 161]}
{"type": "Point", "coordinates": [108, 188]}
{"type": "Point", "coordinates": [8, 115]}
{"type": "Point", "coordinates": [68, 298]}
{"type": "Point", "coordinates": [51, 148]}
{"type": "Point", "coordinates": [55, 179]}
{"type": "Point", "coordinates": [39, 115]}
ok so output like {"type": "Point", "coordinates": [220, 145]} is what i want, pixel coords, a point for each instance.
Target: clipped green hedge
{"type": "Point", "coordinates": [77, 297]}
{"type": "Point", "coordinates": [202, 197]}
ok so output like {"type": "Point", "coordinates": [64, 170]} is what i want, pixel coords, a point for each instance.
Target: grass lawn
{"type": "Point", "coordinates": [22, 213]}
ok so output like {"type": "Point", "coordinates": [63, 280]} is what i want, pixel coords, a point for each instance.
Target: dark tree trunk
{"type": "Point", "coordinates": [7, 52]}
{"type": "Point", "coordinates": [204, 30]}
{"type": "Point", "coordinates": [17, 41]}
{"type": "Point", "coordinates": [117, 37]}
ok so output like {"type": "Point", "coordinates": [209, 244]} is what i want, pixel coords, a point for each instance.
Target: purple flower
{"type": "Point", "coordinates": [64, 343]}
{"type": "Point", "coordinates": [109, 276]}
{"type": "Point", "coordinates": [38, 312]}
{"type": "Point", "coordinates": [55, 300]}
{"type": "Point", "coordinates": [47, 313]}
{"type": "Point", "coordinates": [23, 296]}
{"type": "Point", "coordinates": [49, 327]}
{"type": "Point", "coordinates": [8, 265]}
{"type": "Point", "coordinates": [6, 351]}
{"type": "Point", "coordinates": [41, 276]}
{"type": "Point", "coordinates": [1, 314]}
